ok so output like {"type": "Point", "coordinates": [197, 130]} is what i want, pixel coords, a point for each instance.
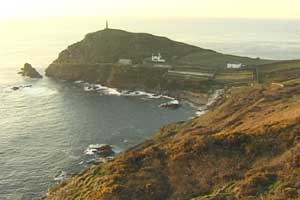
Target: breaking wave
{"type": "Point", "coordinates": [126, 93]}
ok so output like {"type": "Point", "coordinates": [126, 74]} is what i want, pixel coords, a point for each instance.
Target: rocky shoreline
{"type": "Point", "coordinates": [201, 101]}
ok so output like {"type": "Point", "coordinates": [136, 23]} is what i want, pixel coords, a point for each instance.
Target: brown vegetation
{"type": "Point", "coordinates": [248, 147]}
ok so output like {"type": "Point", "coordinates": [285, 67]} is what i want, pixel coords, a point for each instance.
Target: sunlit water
{"type": "Point", "coordinates": [44, 129]}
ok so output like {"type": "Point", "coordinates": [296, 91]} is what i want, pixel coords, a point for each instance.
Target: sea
{"type": "Point", "coordinates": [47, 125]}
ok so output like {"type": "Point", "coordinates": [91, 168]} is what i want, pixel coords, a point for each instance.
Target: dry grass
{"type": "Point", "coordinates": [245, 148]}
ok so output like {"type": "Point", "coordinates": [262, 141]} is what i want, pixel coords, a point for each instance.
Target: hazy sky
{"type": "Point", "coordinates": [152, 8]}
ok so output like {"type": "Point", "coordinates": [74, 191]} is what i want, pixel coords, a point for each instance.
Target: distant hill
{"type": "Point", "coordinates": [110, 45]}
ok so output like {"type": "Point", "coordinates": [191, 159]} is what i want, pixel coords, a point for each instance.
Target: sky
{"type": "Point", "coordinates": [152, 8]}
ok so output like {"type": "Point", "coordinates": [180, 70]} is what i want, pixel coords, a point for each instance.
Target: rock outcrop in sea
{"type": "Point", "coordinates": [15, 88]}
{"type": "Point", "coordinates": [103, 150]}
{"type": "Point", "coordinates": [29, 71]}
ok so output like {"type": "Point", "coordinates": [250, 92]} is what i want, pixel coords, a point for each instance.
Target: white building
{"type": "Point", "coordinates": [125, 61]}
{"type": "Point", "coordinates": [234, 65]}
{"type": "Point", "coordinates": [158, 58]}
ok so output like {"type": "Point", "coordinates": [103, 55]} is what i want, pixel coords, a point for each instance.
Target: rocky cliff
{"type": "Point", "coordinates": [127, 77]}
{"type": "Point", "coordinates": [247, 147]}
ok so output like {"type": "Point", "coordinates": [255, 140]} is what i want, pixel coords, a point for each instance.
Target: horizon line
{"type": "Point", "coordinates": [142, 17]}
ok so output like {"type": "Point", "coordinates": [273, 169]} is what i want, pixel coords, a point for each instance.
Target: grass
{"type": "Point", "coordinates": [279, 66]}
{"type": "Point", "coordinates": [211, 59]}
{"type": "Point", "coordinates": [234, 76]}
{"type": "Point", "coordinates": [284, 72]}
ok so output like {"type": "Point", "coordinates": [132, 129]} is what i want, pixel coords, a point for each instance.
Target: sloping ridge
{"type": "Point", "coordinates": [109, 45]}
{"type": "Point", "coordinates": [247, 147]}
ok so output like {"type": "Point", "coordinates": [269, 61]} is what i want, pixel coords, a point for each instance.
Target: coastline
{"type": "Point", "coordinates": [202, 109]}
{"type": "Point", "coordinates": [200, 101]}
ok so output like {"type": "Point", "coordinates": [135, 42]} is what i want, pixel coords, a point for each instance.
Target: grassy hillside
{"type": "Point", "coordinates": [247, 147]}
{"type": "Point", "coordinates": [109, 45]}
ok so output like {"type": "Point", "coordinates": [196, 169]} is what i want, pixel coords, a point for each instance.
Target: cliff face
{"type": "Point", "coordinates": [247, 147]}
{"type": "Point", "coordinates": [125, 77]}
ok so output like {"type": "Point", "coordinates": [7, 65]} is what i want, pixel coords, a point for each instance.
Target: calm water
{"type": "Point", "coordinates": [46, 128]}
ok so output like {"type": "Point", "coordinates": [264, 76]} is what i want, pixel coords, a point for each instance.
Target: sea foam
{"type": "Point", "coordinates": [126, 93]}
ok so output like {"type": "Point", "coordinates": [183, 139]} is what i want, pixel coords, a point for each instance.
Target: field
{"type": "Point", "coordinates": [237, 76]}
{"type": "Point", "coordinates": [215, 60]}
{"type": "Point", "coordinates": [287, 72]}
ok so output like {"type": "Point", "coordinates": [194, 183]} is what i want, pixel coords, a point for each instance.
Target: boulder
{"type": "Point", "coordinates": [105, 151]}
{"type": "Point", "coordinates": [29, 71]}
